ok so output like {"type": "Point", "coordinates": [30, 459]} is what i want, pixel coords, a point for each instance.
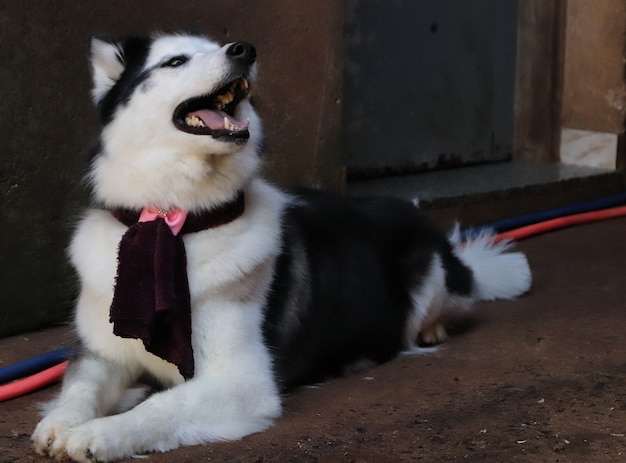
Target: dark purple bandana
{"type": "Point", "coordinates": [151, 298]}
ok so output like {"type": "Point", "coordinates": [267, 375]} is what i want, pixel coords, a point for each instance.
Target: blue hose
{"type": "Point", "coordinates": [536, 217]}
{"type": "Point", "coordinates": [33, 365]}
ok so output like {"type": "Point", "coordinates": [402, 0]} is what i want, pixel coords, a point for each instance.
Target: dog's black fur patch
{"type": "Point", "coordinates": [341, 291]}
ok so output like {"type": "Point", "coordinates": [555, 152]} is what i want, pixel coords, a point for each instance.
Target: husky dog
{"type": "Point", "coordinates": [281, 288]}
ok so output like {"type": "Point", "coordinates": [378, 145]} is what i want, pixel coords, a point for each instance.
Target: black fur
{"type": "Point", "coordinates": [134, 52]}
{"type": "Point", "coordinates": [341, 291]}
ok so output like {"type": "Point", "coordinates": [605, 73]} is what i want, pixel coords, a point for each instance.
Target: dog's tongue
{"type": "Point", "coordinates": [219, 120]}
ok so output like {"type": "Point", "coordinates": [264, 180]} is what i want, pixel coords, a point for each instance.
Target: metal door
{"type": "Point", "coordinates": [428, 84]}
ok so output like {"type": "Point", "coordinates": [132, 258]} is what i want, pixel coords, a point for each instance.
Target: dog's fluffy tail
{"type": "Point", "coordinates": [497, 274]}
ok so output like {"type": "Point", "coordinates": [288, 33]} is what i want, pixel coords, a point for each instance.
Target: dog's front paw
{"type": "Point", "coordinates": [51, 431]}
{"type": "Point", "coordinates": [100, 440]}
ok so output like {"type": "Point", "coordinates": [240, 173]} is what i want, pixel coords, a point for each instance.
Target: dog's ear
{"type": "Point", "coordinates": [107, 65]}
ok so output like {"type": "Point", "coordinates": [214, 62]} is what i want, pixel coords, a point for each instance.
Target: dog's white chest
{"type": "Point", "coordinates": [229, 271]}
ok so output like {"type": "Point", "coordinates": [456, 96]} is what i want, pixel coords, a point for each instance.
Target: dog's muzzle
{"type": "Point", "coordinates": [214, 114]}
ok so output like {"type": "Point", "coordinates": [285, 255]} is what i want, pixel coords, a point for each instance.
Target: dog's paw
{"type": "Point", "coordinates": [434, 333]}
{"type": "Point", "coordinates": [98, 441]}
{"type": "Point", "coordinates": [52, 429]}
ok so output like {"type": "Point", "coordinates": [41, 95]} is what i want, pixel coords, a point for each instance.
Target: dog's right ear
{"type": "Point", "coordinates": [107, 65]}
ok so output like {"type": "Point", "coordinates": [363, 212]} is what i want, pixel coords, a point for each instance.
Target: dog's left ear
{"type": "Point", "coordinates": [107, 65]}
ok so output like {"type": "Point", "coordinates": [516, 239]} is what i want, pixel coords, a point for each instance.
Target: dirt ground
{"type": "Point", "coordinates": [540, 379]}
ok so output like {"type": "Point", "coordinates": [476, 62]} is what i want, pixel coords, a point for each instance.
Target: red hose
{"type": "Point", "coordinates": [561, 222]}
{"type": "Point", "coordinates": [32, 383]}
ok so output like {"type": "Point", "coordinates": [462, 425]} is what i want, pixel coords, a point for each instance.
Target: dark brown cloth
{"type": "Point", "coordinates": [151, 298]}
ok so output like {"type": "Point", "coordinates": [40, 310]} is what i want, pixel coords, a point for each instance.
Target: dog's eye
{"type": "Point", "coordinates": [175, 61]}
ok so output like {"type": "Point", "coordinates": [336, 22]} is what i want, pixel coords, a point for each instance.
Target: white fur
{"type": "Point", "coordinates": [428, 300]}
{"type": "Point", "coordinates": [497, 274]}
{"type": "Point", "coordinates": [106, 67]}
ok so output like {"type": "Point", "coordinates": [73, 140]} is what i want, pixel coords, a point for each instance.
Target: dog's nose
{"type": "Point", "coordinates": [242, 51]}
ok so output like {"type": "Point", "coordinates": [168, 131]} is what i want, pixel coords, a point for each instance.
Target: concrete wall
{"type": "Point", "coordinates": [48, 123]}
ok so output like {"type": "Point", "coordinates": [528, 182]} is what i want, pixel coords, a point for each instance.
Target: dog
{"type": "Point", "coordinates": [267, 290]}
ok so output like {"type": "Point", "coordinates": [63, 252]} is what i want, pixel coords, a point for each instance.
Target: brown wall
{"type": "Point", "coordinates": [538, 88]}
{"type": "Point", "coordinates": [570, 73]}
{"type": "Point", "coordinates": [48, 122]}
{"type": "Point", "coordinates": [594, 95]}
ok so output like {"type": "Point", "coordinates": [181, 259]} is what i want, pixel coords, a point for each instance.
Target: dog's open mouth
{"type": "Point", "coordinates": [214, 114]}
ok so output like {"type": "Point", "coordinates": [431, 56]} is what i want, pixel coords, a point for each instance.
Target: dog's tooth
{"type": "Point", "coordinates": [224, 98]}
{"type": "Point", "coordinates": [228, 97]}
{"type": "Point", "coordinates": [194, 121]}
{"type": "Point", "coordinates": [227, 125]}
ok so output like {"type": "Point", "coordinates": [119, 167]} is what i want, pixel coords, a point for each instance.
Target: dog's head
{"type": "Point", "coordinates": [178, 127]}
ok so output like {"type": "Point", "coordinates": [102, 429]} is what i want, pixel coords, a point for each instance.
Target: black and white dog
{"type": "Point", "coordinates": [281, 289]}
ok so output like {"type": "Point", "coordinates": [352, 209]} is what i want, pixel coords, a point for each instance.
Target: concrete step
{"type": "Point", "coordinates": [484, 193]}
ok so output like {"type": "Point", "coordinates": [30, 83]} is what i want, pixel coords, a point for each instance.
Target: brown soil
{"type": "Point", "coordinates": [540, 379]}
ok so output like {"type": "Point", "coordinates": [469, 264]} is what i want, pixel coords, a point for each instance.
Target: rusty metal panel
{"type": "Point", "coordinates": [428, 84]}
